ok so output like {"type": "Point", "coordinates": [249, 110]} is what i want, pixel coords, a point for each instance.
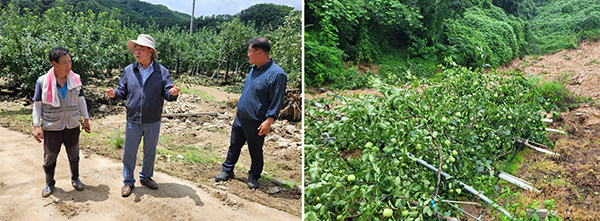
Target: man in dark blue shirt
{"type": "Point", "coordinates": [258, 107]}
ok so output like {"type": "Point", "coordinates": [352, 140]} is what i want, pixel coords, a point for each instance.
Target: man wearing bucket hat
{"type": "Point", "coordinates": [144, 85]}
{"type": "Point", "coordinates": [258, 107]}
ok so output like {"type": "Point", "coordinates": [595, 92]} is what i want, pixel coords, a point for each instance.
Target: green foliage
{"type": "Point", "coordinates": [95, 42]}
{"type": "Point", "coordinates": [232, 43]}
{"type": "Point", "coordinates": [323, 63]}
{"type": "Point", "coordinates": [564, 99]}
{"type": "Point", "coordinates": [470, 117]}
{"type": "Point", "coordinates": [287, 47]}
{"type": "Point", "coordinates": [524, 9]}
{"type": "Point", "coordinates": [485, 37]}
{"type": "Point", "coordinates": [98, 44]}
{"type": "Point", "coordinates": [520, 212]}
{"type": "Point", "coordinates": [267, 16]}
{"type": "Point", "coordinates": [562, 23]}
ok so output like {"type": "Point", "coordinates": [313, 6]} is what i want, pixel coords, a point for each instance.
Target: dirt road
{"type": "Point", "coordinates": [22, 180]}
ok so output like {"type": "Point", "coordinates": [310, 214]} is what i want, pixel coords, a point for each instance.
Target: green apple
{"type": "Point", "coordinates": [387, 212]}
{"type": "Point", "coordinates": [418, 147]}
{"type": "Point", "coordinates": [444, 120]}
{"type": "Point", "coordinates": [458, 190]}
{"type": "Point", "coordinates": [351, 178]}
{"type": "Point", "coordinates": [369, 145]}
{"type": "Point", "coordinates": [454, 153]}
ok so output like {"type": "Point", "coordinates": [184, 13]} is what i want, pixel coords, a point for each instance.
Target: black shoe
{"type": "Point", "coordinates": [252, 183]}
{"type": "Point", "coordinates": [77, 184]}
{"type": "Point", "coordinates": [223, 176]}
{"type": "Point", "coordinates": [47, 191]}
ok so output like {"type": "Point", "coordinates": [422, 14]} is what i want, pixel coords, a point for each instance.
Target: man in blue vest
{"type": "Point", "coordinates": [145, 85]}
{"type": "Point", "coordinates": [258, 107]}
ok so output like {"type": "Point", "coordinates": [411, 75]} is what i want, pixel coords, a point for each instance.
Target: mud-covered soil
{"type": "Point", "coordinates": [573, 179]}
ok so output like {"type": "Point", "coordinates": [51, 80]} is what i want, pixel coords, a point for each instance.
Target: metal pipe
{"type": "Point", "coordinates": [555, 130]}
{"type": "Point", "coordinates": [461, 202]}
{"type": "Point", "coordinates": [536, 148]}
{"type": "Point", "coordinates": [517, 181]}
{"type": "Point", "coordinates": [465, 186]}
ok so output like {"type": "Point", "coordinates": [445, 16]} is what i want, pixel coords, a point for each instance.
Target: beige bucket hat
{"type": "Point", "coordinates": [144, 40]}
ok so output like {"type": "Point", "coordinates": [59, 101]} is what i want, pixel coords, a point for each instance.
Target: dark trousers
{"type": "Point", "coordinates": [243, 131]}
{"type": "Point", "coordinates": [53, 140]}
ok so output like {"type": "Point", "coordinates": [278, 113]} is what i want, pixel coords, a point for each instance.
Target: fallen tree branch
{"type": "Point", "coordinates": [190, 114]}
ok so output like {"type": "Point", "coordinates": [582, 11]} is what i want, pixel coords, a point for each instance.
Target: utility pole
{"type": "Point", "coordinates": [192, 19]}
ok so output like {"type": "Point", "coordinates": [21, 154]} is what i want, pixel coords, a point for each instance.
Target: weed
{"type": "Point", "coordinates": [566, 57]}
{"type": "Point", "coordinates": [116, 141]}
{"type": "Point", "coordinates": [202, 94]}
{"type": "Point", "coordinates": [592, 62]}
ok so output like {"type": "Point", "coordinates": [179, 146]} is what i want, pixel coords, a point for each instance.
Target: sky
{"type": "Point", "coordinates": [219, 7]}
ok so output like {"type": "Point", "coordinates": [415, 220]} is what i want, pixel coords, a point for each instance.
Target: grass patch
{"type": "Point", "coordinates": [516, 164]}
{"type": "Point", "coordinates": [202, 94]}
{"type": "Point", "coordinates": [559, 182]}
{"type": "Point", "coordinates": [593, 62]}
{"type": "Point", "coordinates": [556, 93]}
{"type": "Point", "coordinates": [115, 141]}
{"type": "Point", "coordinates": [164, 140]}
{"type": "Point", "coordinates": [17, 119]}
{"type": "Point", "coordinates": [191, 154]}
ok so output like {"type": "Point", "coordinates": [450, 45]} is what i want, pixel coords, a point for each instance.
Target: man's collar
{"type": "Point", "coordinates": [138, 65]}
{"type": "Point", "coordinates": [264, 66]}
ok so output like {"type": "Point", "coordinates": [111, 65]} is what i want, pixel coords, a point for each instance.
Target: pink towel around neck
{"type": "Point", "coordinates": [49, 90]}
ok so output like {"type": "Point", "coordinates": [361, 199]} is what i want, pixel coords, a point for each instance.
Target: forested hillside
{"type": "Point", "coordinates": [409, 38]}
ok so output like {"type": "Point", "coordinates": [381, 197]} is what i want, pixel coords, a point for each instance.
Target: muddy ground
{"type": "Point", "coordinates": [573, 179]}
{"type": "Point", "coordinates": [191, 147]}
